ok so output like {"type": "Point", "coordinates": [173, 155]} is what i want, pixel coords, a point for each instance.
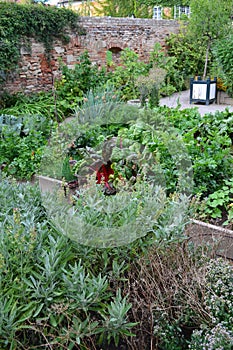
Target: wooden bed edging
{"type": "Point", "coordinates": [219, 237]}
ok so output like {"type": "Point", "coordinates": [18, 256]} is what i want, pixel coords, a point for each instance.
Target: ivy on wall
{"type": "Point", "coordinates": [19, 23]}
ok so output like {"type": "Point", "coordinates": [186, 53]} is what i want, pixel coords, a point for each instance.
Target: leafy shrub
{"type": "Point", "coordinates": [99, 119]}
{"type": "Point", "coordinates": [212, 339]}
{"type": "Point", "coordinates": [21, 144]}
{"type": "Point", "coordinates": [43, 104]}
{"type": "Point", "coordinates": [222, 52]}
{"type": "Point", "coordinates": [128, 215]}
{"type": "Point", "coordinates": [75, 83]}
{"type": "Point", "coordinates": [173, 294]}
{"type": "Point", "coordinates": [189, 55]}
{"type": "Point", "coordinates": [174, 81]}
{"type": "Point", "coordinates": [53, 290]}
{"type": "Point", "coordinates": [219, 297]}
{"type": "Point", "coordinates": [124, 76]}
{"type": "Point", "coordinates": [208, 141]}
{"type": "Point", "coordinates": [217, 334]}
{"type": "Point", "coordinates": [149, 86]}
{"type": "Point", "coordinates": [220, 202]}
{"type": "Point", "coordinates": [98, 104]}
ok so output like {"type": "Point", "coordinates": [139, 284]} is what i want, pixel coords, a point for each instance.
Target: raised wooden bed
{"type": "Point", "coordinates": [215, 236]}
{"type": "Point", "coordinates": [48, 184]}
{"type": "Point", "coordinates": [224, 99]}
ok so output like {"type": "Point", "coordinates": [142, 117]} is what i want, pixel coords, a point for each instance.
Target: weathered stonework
{"type": "Point", "coordinates": [35, 73]}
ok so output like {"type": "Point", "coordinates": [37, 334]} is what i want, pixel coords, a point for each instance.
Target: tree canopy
{"type": "Point", "coordinates": [164, 3]}
{"type": "Point", "coordinates": [210, 20]}
{"type": "Point", "coordinates": [140, 8]}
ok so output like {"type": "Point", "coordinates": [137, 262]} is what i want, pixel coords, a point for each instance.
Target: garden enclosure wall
{"type": "Point", "coordinates": [35, 73]}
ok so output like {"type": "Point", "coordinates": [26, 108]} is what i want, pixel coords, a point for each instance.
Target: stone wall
{"type": "Point", "coordinates": [35, 73]}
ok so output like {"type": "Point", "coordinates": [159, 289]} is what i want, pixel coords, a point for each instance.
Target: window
{"type": "Point", "coordinates": [180, 11]}
{"type": "Point", "coordinates": [157, 12]}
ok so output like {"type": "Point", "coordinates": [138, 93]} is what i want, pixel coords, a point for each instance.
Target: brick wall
{"type": "Point", "coordinates": [35, 73]}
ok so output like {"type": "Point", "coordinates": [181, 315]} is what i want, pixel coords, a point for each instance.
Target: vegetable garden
{"type": "Point", "coordinates": [113, 268]}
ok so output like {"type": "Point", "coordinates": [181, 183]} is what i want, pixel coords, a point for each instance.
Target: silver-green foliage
{"type": "Point", "coordinates": [46, 292]}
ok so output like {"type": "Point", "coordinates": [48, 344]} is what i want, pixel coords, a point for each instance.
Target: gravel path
{"type": "Point", "coordinates": [182, 98]}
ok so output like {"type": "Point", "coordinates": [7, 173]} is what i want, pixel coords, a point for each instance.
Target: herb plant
{"type": "Point", "coordinates": [47, 290]}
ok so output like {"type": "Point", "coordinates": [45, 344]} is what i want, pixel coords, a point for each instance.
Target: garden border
{"type": "Point", "coordinates": [217, 236]}
{"type": "Point", "coordinates": [198, 231]}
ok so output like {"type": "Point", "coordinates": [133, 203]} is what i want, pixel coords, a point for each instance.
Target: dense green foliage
{"type": "Point", "coordinates": [201, 47]}
{"type": "Point", "coordinates": [209, 21]}
{"type": "Point", "coordinates": [52, 290]}
{"type": "Point", "coordinates": [133, 76]}
{"type": "Point", "coordinates": [138, 8]}
{"type": "Point", "coordinates": [70, 91]}
{"type": "Point", "coordinates": [152, 134]}
{"type": "Point", "coordinates": [223, 53]}
{"type": "Point", "coordinates": [75, 83]}
{"type": "Point", "coordinates": [219, 201]}
{"type": "Point", "coordinates": [21, 144]}
{"type": "Point", "coordinates": [57, 293]}
{"type": "Point", "coordinates": [123, 8]}
{"type": "Point", "coordinates": [208, 141]}
{"type": "Point", "coordinates": [109, 272]}
{"type": "Point", "coordinates": [19, 23]}
{"type": "Point", "coordinates": [188, 54]}
{"type": "Point", "coordinates": [43, 104]}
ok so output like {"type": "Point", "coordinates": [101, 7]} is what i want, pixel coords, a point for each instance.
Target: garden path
{"type": "Point", "coordinates": [182, 98]}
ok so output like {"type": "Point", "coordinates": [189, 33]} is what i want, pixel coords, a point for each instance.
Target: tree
{"type": "Point", "coordinates": [223, 53]}
{"type": "Point", "coordinates": [122, 8]}
{"type": "Point", "coordinates": [140, 8]}
{"type": "Point", "coordinates": [164, 3]}
{"type": "Point", "coordinates": [210, 20]}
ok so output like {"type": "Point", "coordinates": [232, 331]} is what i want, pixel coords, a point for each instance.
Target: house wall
{"type": "Point", "coordinates": [85, 8]}
{"type": "Point", "coordinates": [35, 73]}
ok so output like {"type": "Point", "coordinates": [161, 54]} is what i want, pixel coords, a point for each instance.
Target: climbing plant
{"type": "Point", "coordinates": [19, 23]}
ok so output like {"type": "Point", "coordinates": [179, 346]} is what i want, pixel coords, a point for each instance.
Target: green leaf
{"type": "Point", "coordinates": [53, 320]}
{"type": "Point", "coordinates": [38, 310]}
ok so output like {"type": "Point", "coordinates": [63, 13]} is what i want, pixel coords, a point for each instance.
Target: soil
{"type": "Point", "coordinates": [220, 222]}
